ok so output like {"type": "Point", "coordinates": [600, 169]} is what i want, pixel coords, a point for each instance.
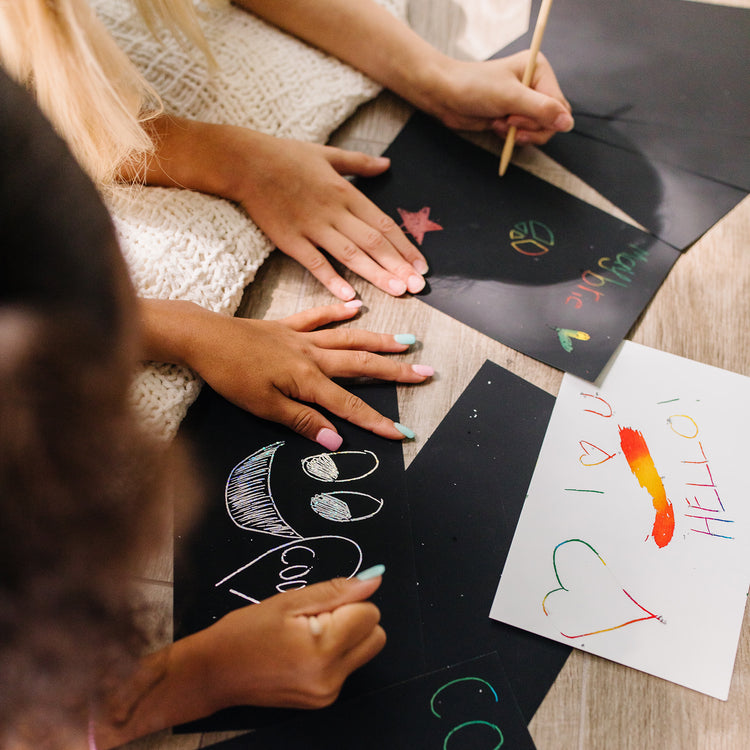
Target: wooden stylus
{"type": "Point", "coordinates": [536, 43]}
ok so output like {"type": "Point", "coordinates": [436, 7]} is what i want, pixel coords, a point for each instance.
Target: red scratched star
{"type": "Point", "coordinates": [418, 222]}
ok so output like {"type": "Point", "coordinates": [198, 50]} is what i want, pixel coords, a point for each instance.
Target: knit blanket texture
{"type": "Point", "coordinates": [181, 244]}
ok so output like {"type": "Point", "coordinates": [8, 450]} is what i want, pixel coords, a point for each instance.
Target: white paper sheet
{"type": "Point", "coordinates": [633, 542]}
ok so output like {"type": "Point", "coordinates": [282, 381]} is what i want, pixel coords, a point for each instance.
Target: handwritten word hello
{"type": "Point", "coordinates": [703, 497]}
{"type": "Point", "coordinates": [706, 499]}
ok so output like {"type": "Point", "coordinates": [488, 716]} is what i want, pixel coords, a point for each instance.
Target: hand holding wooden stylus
{"type": "Point", "coordinates": [536, 43]}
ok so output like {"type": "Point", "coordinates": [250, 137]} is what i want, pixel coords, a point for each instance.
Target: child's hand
{"type": "Point", "coordinates": [297, 194]}
{"type": "Point", "coordinates": [292, 650]}
{"type": "Point", "coordinates": [490, 95]}
{"type": "Point", "coordinates": [268, 654]}
{"type": "Point", "coordinates": [275, 369]}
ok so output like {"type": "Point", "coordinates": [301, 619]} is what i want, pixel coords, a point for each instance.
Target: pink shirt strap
{"type": "Point", "coordinates": [92, 735]}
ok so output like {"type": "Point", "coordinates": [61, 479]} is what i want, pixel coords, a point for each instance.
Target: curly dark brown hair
{"type": "Point", "coordinates": [79, 484]}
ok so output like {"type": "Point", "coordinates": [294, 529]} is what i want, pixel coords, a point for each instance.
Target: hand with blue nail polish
{"type": "Point", "coordinates": [279, 370]}
{"type": "Point", "coordinates": [292, 650]}
{"type": "Point", "coordinates": [296, 649]}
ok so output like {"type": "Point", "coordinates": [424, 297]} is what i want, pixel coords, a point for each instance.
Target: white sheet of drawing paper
{"type": "Point", "coordinates": [633, 542]}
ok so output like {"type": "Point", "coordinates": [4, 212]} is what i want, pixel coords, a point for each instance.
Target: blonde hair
{"type": "Point", "coordinates": [84, 83]}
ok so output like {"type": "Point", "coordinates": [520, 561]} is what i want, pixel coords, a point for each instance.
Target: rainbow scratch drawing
{"type": "Point", "coordinates": [417, 223]}
{"type": "Point", "coordinates": [594, 595]}
{"type": "Point", "coordinates": [642, 465]}
{"type": "Point", "coordinates": [592, 454]}
{"type": "Point", "coordinates": [566, 336]}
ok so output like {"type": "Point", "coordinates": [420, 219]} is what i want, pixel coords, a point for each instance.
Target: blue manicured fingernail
{"type": "Point", "coordinates": [373, 572]}
{"type": "Point", "coordinates": [405, 338]}
{"type": "Point", "coordinates": [405, 431]}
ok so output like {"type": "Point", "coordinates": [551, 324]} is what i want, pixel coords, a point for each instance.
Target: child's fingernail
{"type": "Point", "coordinates": [415, 283]}
{"type": "Point", "coordinates": [329, 439]}
{"type": "Point", "coordinates": [404, 430]}
{"type": "Point", "coordinates": [397, 287]}
{"type": "Point", "coordinates": [353, 303]}
{"type": "Point", "coordinates": [424, 370]}
{"type": "Point", "coordinates": [346, 291]}
{"type": "Point", "coordinates": [373, 572]}
{"type": "Point", "coordinates": [563, 122]}
{"type": "Point", "coordinates": [405, 338]}
{"type": "Point", "coordinates": [420, 266]}
{"type": "Point", "coordinates": [315, 626]}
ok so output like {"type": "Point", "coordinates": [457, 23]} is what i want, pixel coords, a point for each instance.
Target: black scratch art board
{"type": "Point", "coordinates": [666, 81]}
{"type": "Point", "coordinates": [469, 705]}
{"type": "Point", "coordinates": [683, 147]}
{"type": "Point", "coordinates": [466, 489]}
{"type": "Point", "coordinates": [676, 205]}
{"type": "Point", "coordinates": [282, 512]}
{"type": "Point", "coordinates": [515, 257]}
{"type": "Point", "coordinates": [669, 62]}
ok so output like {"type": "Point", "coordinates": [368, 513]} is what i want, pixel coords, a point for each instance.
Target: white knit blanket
{"type": "Point", "coordinates": [180, 244]}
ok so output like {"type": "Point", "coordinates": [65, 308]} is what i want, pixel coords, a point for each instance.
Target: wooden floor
{"type": "Point", "coordinates": [702, 312]}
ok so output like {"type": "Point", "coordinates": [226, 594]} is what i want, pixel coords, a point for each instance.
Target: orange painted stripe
{"type": "Point", "coordinates": [642, 465]}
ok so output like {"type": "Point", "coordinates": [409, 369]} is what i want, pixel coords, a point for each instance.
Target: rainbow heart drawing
{"type": "Point", "coordinates": [588, 599]}
{"type": "Point", "coordinates": [592, 454]}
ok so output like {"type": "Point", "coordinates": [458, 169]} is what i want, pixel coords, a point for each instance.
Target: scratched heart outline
{"type": "Point", "coordinates": [586, 452]}
{"type": "Point", "coordinates": [648, 616]}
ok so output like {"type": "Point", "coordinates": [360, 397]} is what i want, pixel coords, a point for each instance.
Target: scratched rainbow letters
{"type": "Point", "coordinates": [634, 541]}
